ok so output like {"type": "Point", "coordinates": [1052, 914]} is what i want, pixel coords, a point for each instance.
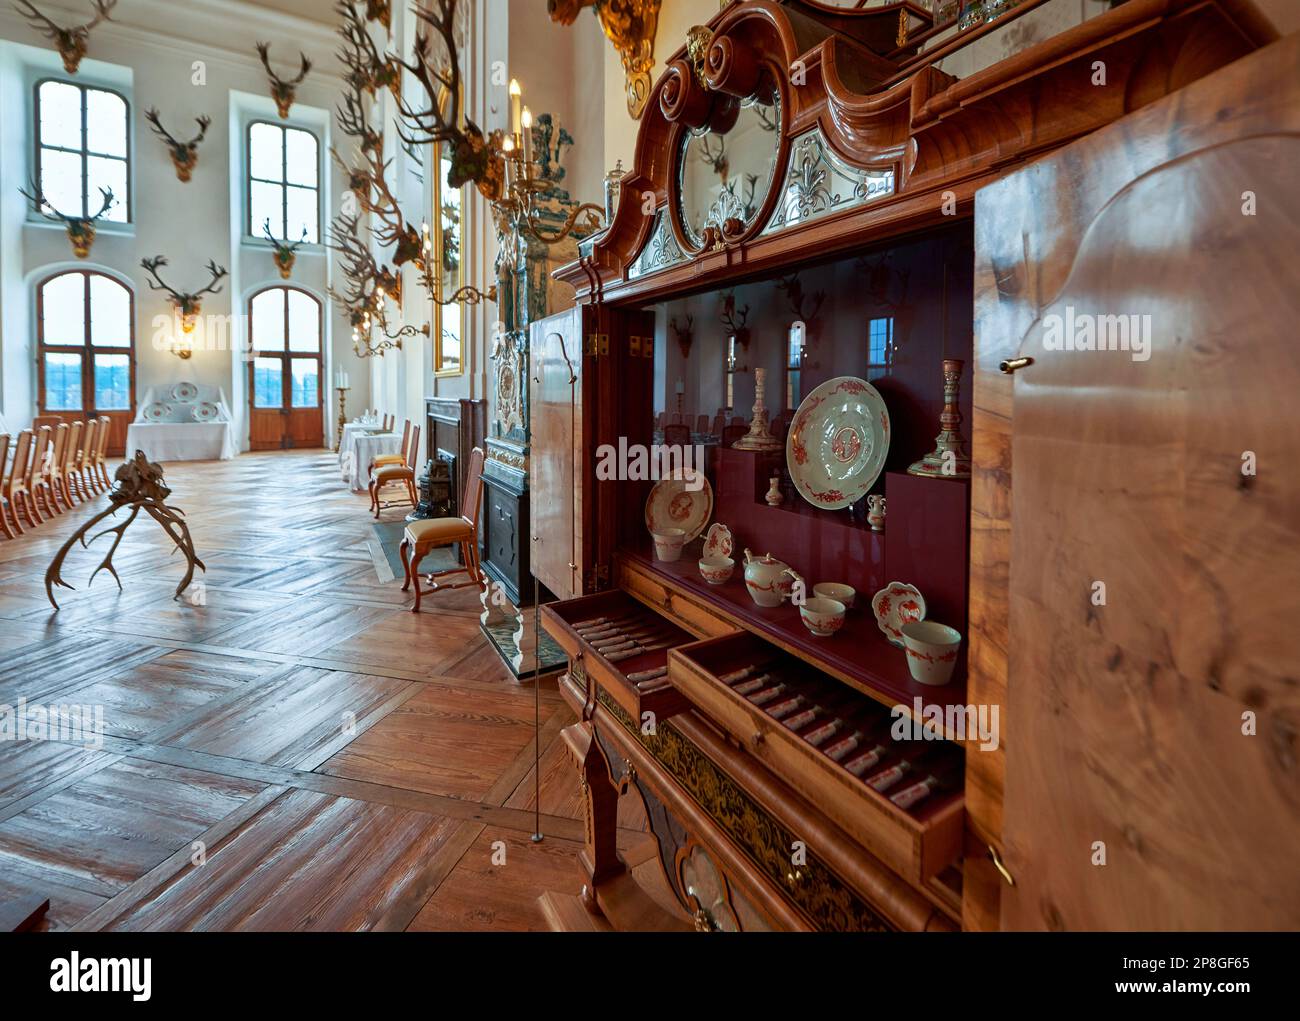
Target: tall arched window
{"type": "Point", "coordinates": [285, 394]}
{"type": "Point", "coordinates": [86, 349]}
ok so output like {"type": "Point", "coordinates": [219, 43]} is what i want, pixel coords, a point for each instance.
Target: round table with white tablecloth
{"type": "Point", "coordinates": [358, 449]}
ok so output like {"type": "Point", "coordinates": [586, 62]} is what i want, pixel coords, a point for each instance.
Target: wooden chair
{"type": "Point", "coordinates": [677, 436]}
{"type": "Point", "coordinates": [69, 460]}
{"type": "Point", "coordinates": [389, 422]}
{"type": "Point", "coordinates": [382, 459]}
{"type": "Point", "coordinates": [396, 474]}
{"type": "Point", "coordinates": [421, 537]}
{"type": "Point", "coordinates": [53, 474]}
{"type": "Point", "coordinates": [719, 423]}
{"type": "Point", "coordinates": [15, 492]}
{"type": "Point", "coordinates": [35, 482]}
{"type": "Point", "coordinates": [99, 469]}
{"type": "Point", "coordinates": [4, 503]}
{"type": "Point", "coordinates": [88, 439]}
{"type": "Point", "coordinates": [702, 424]}
{"type": "Point", "coordinates": [53, 421]}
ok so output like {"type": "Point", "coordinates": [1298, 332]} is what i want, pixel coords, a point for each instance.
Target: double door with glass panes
{"type": "Point", "coordinates": [286, 401]}
{"type": "Point", "coordinates": [86, 357]}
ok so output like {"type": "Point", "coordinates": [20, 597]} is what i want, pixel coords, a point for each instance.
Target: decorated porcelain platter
{"type": "Point", "coordinates": [684, 499]}
{"type": "Point", "coordinates": [837, 443]}
{"type": "Point", "coordinates": [895, 605]}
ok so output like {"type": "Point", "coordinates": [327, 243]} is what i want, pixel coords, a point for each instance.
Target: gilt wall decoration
{"type": "Point", "coordinates": [283, 91]}
{"type": "Point", "coordinates": [630, 25]}
{"type": "Point", "coordinates": [188, 305]}
{"type": "Point", "coordinates": [185, 155]}
{"type": "Point", "coordinates": [139, 487]}
{"type": "Point", "coordinates": [71, 42]}
{"type": "Point", "coordinates": [81, 229]}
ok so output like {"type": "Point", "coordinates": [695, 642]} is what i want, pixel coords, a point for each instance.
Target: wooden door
{"type": "Point", "coordinates": [1152, 724]}
{"type": "Point", "coordinates": [286, 391]}
{"type": "Point", "coordinates": [556, 444]}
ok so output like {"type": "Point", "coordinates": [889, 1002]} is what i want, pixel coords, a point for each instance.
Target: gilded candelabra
{"type": "Point", "coordinates": [343, 415]}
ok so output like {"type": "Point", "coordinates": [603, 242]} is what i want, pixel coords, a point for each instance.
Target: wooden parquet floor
{"type": "Point", "coordinates": [288, 747]}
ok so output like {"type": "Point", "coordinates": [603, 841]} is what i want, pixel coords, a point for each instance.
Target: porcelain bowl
{"type": "Point", "coordinates": [669, 543]}
{"type": "Point", "coordinates": [931, 650]}
{"type": "Point", "coordinates": [716, 570]}
{"type": "Point", "coordinates": [840, 593]}
{"type": "Point", "coordinates": [823, 617]}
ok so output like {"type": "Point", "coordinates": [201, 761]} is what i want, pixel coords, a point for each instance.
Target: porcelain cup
{"type": "Point", "coordinates": [832, 590]}
{"type": "Point", "coordinates": [716, 570]}
{"type": "Point", "coordinates": [669, 543]}
{"type": "Point", "coordinates": [823, 617]}
{"type": "Point", "coordinates": [931, 650]}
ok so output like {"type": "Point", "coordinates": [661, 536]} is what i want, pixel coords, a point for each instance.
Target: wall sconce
{"type": "Point", "coordinates": [183, 345]}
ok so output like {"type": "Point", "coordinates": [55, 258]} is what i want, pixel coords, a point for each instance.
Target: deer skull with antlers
{"type": "Point", "coordinates": [286, 252]}
{"type": "Point", "coordinates": [81, 229]}
{"type": "Point", "coordinates": [185, 155]}
{"type": "Point", "coordinates": [369, 69]}
{"type": "Point", "coordinates": [71, 42]}
{"type": "Point", "coordinates": [187, 305]}
{"type": "Point", "coordinates": [283, 92]}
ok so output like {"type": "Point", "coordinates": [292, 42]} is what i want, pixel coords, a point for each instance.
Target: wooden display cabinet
{"type": "Point", "coordinates": [958, 209]}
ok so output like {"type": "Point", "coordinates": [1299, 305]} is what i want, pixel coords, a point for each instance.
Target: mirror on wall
{"type": "Point", "coordinates": [726, 168]}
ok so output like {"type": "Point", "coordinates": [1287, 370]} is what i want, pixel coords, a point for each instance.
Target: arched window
{"type": "Point", "coordinates": [285, 394]}
{"type": "Point", "coordinates": [82, 146]}
{"type": "Point", "coordinates": [283, 182]}
{"type": "Point", "coordinates": [86, 338]}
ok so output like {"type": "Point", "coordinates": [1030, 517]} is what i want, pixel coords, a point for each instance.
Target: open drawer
{"type": "Point", "coordinates": [624, 648]}
{"type": "Point", "coordinates": [902, 799]}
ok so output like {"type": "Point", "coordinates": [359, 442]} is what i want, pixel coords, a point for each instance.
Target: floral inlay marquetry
{"type": "Point", "coordinates": [818, 183]}
{"type": "Point", "coordinates": [817, 891]}
{"type": "Point", "coordinates": [660, 252]}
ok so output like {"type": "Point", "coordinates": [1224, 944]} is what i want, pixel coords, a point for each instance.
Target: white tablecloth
{"type": "Point", "coordinates": [361, 448]}
{"type": "Point", "coordinates": [182, 441]}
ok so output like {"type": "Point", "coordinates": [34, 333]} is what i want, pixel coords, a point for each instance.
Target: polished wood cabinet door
{"type": "Point", "coordinates": [1151, 720]}
{"type": "Point", "coordinates": [556, 420]}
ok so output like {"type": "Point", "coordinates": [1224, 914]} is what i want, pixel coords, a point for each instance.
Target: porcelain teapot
{"type": "Point", "coordinates": [768, 580]}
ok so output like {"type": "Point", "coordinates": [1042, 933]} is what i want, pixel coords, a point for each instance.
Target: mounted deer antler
{"type": "Point", "coordinates": [717, 160]}
{"type": "Point", "coordinates": [380, 11]}
{"type": "Point", "coordinates": [734, 320]}
{"type": "Point", "coordinates": [81, 229]}
{"type": "Point", "coordinates": [283, 92]}
{"type": "Point", "coordinates": [685, 334]}
{"type": "Point", "coordinates": [286, 252]}
{"type": "Point", "coordinates": [473, 157]}
{"type": "Point", "coordinates": [139, 487]}
{"type": "Point", "coordinates": [365, 276]}
{"type": "Point", "coordinates": [185, 155]}
{"type": "Point", "coordinates": [71, 42]}
{"type": "Point", "coordinates": [793, 290]}
{"type": "Point", "coordinates": [188, 305]}
{"type": "Point", "coordinates": [368, 68]}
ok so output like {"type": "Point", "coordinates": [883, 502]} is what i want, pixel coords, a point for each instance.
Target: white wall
{"type": "Point", "coordinates": [148, 53]}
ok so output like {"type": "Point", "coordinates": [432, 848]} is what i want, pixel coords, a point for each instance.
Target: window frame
{"type": "Point", "coordinates": [437, 236]}
{"type": "Point", "coordinates": [253, 230]}
{"type": "Point", "coordinates": [286, 354]}
{"type": "Point", "coordinates": [86, 153]}
{"type": "Point", "coordinates": [87, 350]}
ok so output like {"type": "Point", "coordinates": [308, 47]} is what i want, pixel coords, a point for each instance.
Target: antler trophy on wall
{"type": "Point", "coordinates": [187, 305]}
{"type": "Point", "coordinates": [286, 252]}
{"type": "Point", "coordinates": [283, 92]}
{"type": "Point", "coordinates": [71, 42]}
{"type": "Point", "coordinates": [185, 155]}
{"type": "Point", "coordinates": [139, 487]}
{"type": "Point", "coordinates": [81, 229]}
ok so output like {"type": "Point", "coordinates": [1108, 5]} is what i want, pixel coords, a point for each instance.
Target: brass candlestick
{"type": "Point", "coordinates": [949, 459]}
{"type": "Point", "coordinates": [343, 418]}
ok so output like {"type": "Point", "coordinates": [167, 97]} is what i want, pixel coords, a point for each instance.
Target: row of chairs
{"type": "Point", "coordinates": [395, 470]}
{"type": "Point", "coordinates": [52, 470]}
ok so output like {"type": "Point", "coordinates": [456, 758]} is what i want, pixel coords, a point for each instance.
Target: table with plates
{"type": "Point", "coordinates": [359, 445]}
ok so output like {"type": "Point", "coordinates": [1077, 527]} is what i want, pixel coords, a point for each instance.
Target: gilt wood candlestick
{"type": "Point", "coordinates": [758, 437]}
{"type": "Point", "coordinates": [343, 418]}
{"type": "Point", "coordinates": [949, 459]}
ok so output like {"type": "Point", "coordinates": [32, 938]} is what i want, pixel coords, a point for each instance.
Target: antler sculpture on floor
{"type": "Point", "coordinates": [185, 155]}
{"type": "Point", "coordinates": [71, 42]}
{"type": "Point", "coordinates": [139, 487]}
{"type": "Point", "coordinates": [81, 229]}
{"type": "Point", "coordinates": [282, 91]}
